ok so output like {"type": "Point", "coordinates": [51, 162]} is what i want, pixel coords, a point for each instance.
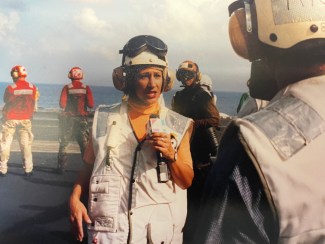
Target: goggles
{"type": "Point", "coordinates": [185, 75]}
{"type": "Point", "coordinates": [141, 43]}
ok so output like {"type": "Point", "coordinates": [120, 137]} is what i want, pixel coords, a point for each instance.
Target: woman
{"type": "Point", "coordinates": [138, 171]}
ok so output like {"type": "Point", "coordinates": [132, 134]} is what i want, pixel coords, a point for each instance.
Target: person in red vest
{"type": "Point", "coordinates": [75, 100]}
{"type": "Point", "coordinates": [17, 113]}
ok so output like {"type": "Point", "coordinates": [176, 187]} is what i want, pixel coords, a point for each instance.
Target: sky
{"type": "Point", "coordinates": [50, 37]}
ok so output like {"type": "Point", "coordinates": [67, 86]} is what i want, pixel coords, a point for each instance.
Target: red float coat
{"type": "Point", "coordinates": [19, 100]}
{"type": "Point", "coordinates": [75, 98]}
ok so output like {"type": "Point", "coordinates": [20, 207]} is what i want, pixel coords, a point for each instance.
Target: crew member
{"type": "Point", "coordinates": [138, 171]}
{"type": "Point", "coordinates": [75, 100]}
{"type": "Point", "coordinates": [197, 103]}
{"type": "Point", "coordinates": [266, 185]}
{"type": "Point", "coordinates": [17, 113]}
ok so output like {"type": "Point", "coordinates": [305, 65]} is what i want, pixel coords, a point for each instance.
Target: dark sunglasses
{"type": "Point", "coordinates": [141, 43]}
{"type": "Point", "coordinates": [185, 75]}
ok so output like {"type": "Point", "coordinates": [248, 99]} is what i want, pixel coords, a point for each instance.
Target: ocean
{"type": "Point", "coordinates": [50, 93]}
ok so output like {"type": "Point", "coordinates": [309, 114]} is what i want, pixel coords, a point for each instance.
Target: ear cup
{"type": "Point", "coordinates": [244, 44]}
{"type": "Point", "coordinates": [75, 74]}
{"type": "Point", "coordinates": [198, 73]}
{"type": "Point", "coordinates": [238, 34]}
{"type": "Point", "coordinates": [169, 81]}
{"type": "Point", "coordinates": [14, 74]}
{"type": "Point", "coordinates": [198, 76]}
{"type": "Point", "coordinates": [119, 79]}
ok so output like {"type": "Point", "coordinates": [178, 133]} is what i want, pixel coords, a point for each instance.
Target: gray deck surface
{"type": "Point", "coordinates": [34, 210]}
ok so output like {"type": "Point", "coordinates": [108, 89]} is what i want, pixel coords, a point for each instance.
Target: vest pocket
{"type": "Point", "coordinates": [104, 201]}
{"type": "Point", "coordinates": [160, 232]}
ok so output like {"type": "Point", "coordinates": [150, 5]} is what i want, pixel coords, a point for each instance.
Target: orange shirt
{"type": "Point", "coordinates": [139, 117]}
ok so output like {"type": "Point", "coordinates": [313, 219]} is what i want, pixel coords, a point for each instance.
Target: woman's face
{"type": "Point", "coordinates": [148, 85]}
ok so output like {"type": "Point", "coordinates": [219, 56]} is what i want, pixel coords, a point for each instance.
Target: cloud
{"type": "Point", "coordinates": [57, 35]}
{"type": "Point", "coordinates": [8, 24]}
{"type": "Point", "coordinates": [87, 21]}
{"type": "Point", "coordinates": [91, 1]}
{"type": "Point", "coordinates": [17, 5]}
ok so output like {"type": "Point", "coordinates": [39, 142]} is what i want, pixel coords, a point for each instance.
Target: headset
{"type": "Point", "coordinates": [121, 73]}
{"type": "Point", "coordinates": [75, 73]}
{"type": "Point", "coordinates": [242, 29]}
{"type": "Point", "coordinates": [190, 66]}
{"type": "Point", "coordinates": [18, 71]}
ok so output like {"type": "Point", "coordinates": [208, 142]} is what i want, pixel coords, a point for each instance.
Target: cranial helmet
{"type": "Point", "coordinates": [254, 23]}
{"type": "Point", "coordinates": [140, 51]}
{"type": "Point", "coordinates": [76, 74]}
{"type": "Point", "coordinates": [18, 71]}
{"type": "Point", "coordinates": [188, 70]}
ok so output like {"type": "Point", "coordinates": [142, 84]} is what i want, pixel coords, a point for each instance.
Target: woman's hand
{"type": "Point", "coordinates": [78, 214]}
{"type": "Point", "coordinates": [162, 142]}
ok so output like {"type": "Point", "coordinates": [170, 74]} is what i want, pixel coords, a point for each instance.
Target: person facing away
{"type": "Point", "coordinates": [19, 99]}
{"type": "Point", "coordinates": [137, 164]}
{"type": "Point", "coordinates": [75, 100]}
{"type": "Point", "coordinates": [197, 103]}
{"type": "Point", "coordinates": [266, 185]}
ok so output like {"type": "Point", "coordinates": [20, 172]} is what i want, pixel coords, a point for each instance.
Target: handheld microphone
{"type": "Point", "coordinates": [156, 125]}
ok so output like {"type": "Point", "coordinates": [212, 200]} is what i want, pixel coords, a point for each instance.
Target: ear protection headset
{"type": "Point", "coordinates": [121, 74]}
{"type": "Point", "coordinates": [75, 73]}
{"type": "Point", "coordinates": [190, 66]}
{"type": "Point", "coordinates": [243, 31]}
{"type": "Point", "coordinates": [14, 74]}
{"type": "Point", "coordinates": [18, 71]}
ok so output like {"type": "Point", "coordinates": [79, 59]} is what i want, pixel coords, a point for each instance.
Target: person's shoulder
{"type": "Point", "coordinates": [201, 94]}
{"type": "Point", "coordinates": [31, 85]}
{"type": "Point", "coordinates": [67, 85]}
{"type": "Point", "coordinates": [107, 108]}
{"type": "Point", "coordinates": [179, 92]}
{"type": "Point", "coordinates": [11, 86]}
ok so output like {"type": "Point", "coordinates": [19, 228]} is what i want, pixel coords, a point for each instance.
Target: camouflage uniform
{"type": "Point", "coordinates": [71, 127]}
{"type": "Point", "coordinates": [73, 122]}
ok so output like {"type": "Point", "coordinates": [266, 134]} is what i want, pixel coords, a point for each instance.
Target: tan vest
{"type": "Point", "coordinates": [110, 198]}
{"type": "Point", "coordinates": [286, 142]}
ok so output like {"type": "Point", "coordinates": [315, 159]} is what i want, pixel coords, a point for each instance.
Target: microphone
{"type": "Point", "coordinates": [156, 125]}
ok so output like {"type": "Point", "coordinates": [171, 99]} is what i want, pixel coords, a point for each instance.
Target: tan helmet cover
{"type": "Point", "coordinates": [145, 58]}
{"type": "Point", "coordinates": [302, 19]}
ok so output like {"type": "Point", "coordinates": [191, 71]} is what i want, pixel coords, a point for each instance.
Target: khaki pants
{"type": "Point", "coordinates": [25, 138]}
